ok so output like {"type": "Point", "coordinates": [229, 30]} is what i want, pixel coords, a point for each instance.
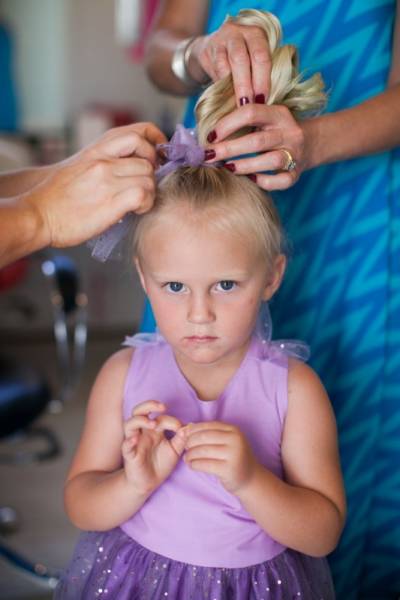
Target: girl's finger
{"type": "Point", "coordinates": [209, 451]}
{"type": "Point", "coordinates": [208, 425]}
{"type": "Point", "coordinates": [239, 61]}
{"type": "Point", "coordinates": [208, 465]}
{"type": "Point", "coordinates": [147, 407]}
{"type": "Point", "coordinates": [209, 437]}
{"type": "Point", "coordinates": [166, 422]}
{"type": "Point", "coordinates": [139, 422]}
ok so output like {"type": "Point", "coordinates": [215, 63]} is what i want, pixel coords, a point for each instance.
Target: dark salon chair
{"type": "Point", "coordinates": [25, 394]}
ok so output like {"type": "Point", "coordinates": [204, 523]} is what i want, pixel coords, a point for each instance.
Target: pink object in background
{"type": "Point", "coordinates": [148, 10]}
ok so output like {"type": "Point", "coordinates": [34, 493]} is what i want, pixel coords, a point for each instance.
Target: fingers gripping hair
{"type": "Point", "coordinates": [288, 87]}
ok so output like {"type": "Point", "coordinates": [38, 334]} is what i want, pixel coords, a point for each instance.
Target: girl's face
{"type": "Point", "coordinates": [205, 287]}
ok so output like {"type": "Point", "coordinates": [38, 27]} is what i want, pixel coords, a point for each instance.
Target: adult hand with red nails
{"type": "Point", "coordinates": [276, 137]}
{"type": "Point", "coordinates": [240, 50]}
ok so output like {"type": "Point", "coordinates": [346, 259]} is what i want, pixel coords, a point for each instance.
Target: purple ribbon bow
{"type": "Point", "coordinates": [182, 150]}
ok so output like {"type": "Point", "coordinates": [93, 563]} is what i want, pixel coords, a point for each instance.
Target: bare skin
{"type": "Point", "coordinates": [369, 127]}
{"type": "Point", "coordinates": [72, 201]}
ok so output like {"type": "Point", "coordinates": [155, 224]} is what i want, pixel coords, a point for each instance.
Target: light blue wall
{"type": "Point", "coordinates": [40, 45]}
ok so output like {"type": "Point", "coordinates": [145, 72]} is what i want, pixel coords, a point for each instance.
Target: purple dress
{"type": "Point", "coordinates": [192, 539]}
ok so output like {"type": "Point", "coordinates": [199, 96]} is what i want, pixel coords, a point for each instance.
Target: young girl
{"type": "Point", "coordinates": [208, 466]}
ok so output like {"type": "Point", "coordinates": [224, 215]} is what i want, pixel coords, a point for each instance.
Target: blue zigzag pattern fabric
{"type": "Point", "coordinates": [342, 289]}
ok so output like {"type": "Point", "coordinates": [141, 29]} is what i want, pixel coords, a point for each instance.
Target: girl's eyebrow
{"type": "Point", "coordinates": [223, 276]}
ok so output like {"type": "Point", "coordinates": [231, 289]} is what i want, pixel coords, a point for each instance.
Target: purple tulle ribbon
{"type": "Point", "coordinates": [182, 150]}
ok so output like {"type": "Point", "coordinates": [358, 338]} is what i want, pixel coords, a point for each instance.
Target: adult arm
{"type": "Point", "coordinates": [370, 127]}
{"type": "Point", "coordinates": [72, 201]}
{"type": "Point", "coordinates": [237, 49]}
{"type": "Point", "coordinates": [176, 20]}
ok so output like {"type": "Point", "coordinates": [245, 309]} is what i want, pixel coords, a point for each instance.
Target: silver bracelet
{"type": "Point", "coordinates": [179, 65]}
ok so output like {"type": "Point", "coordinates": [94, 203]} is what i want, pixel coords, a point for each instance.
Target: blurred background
{"type": "Point", "coordinates": [69, 70]}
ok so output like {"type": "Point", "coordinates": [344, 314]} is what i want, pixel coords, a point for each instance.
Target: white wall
{"type": "Point", "coordinates": [40, 47]}
{"type": "Point", "coordinates": [67, 57]}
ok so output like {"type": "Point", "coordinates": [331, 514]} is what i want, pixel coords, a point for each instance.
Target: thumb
{"type": "Point", "coordinates": [178, 441]}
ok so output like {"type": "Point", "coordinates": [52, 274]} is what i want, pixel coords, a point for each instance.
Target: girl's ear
{"type": "Point", "coordinates": [140, 273]}
{"type": "Point", "coordinates": [276, 277]}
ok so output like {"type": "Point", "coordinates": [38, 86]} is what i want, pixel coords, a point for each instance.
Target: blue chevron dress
{"type": "Point", "coordinates": [342, 289]}
{"type": "Point", "coordinates": [341, 292]}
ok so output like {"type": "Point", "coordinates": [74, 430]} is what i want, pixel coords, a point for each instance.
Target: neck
{"type": "Point", "coordinates": [210, 380]}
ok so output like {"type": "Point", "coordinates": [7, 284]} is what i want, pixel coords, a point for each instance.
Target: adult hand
{"type": "Point", "coordinates": [92, 190]}
{"type": "Point", "coordinates": [222, 450]}
{"type": "Point", "coordinates": [275, 131]}
{"type": "Point", "coordinates": [149, 457]}
{"type": "Point", "coordinates": [241, 50]}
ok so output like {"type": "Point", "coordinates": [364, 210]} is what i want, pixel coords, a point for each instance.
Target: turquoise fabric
{"type": "Point", "coordinates": [341, 292]}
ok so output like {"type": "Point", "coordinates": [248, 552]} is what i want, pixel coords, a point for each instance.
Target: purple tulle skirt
{"type": "Point", "coordinates": [112, 566]}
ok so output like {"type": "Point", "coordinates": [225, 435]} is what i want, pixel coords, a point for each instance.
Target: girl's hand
{"type": "Point", "coordinates": [222, 450]}
{"type": "Point", "coordinates": [275, 130]}
{"type": "Point", "coordinates": [241, 50]}
{"type": "Point", "coordinates": [149, 457]}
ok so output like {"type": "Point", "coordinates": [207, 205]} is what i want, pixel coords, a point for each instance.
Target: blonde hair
{"type": "Point", "coordinates": [215, 196]}
{"type": "Point", "coordinates": [302, 97]}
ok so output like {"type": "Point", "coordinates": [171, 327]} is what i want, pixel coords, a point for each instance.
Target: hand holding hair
{"type": "Point", "coordinates": [239, 50]}
{"type": "Point", "coordinates": [276, 136]}
{"type": "Point", "coordinates": [72, 201]}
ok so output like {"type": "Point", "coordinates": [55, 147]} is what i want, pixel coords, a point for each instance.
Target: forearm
{"type": "Point", "coordinates": [372, 126]}
{"type": "Point", "coordinates": [20, 181]}
{"type": "Point", "coordinates": [299, 518]}
{"type": "Point", "coordinates": [22, 229]}
{"type": "Point", "coordinates": [98, 501]}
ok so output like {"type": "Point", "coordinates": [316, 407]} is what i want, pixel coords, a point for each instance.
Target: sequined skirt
{"type": "Point", "coordinates": [112, 566]}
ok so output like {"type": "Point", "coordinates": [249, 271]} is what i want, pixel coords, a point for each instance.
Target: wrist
{"type": "Point", "coordinates": [186, 66]}
{"type": "Point", "coordinates": [35, 230]}
{"type": "Point", "coordinates": [248, 488]}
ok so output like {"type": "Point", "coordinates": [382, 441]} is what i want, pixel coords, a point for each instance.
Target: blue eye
{"type": "Point", "coordinates": [175, 286]}
{"type": "Point", "coordinates": [226, 285]}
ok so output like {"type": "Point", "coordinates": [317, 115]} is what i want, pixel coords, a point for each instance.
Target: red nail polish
{"type": "Point", "coordinates": [212, 136]}
{"type": "Point", "coordinates": [259, 99]}
{"type": "Point", "coordinates": [209, 154]}
{"type": "Point", "coordinates": [230, 166]}
{"type": "Point", "coordinates": [244, 101]}
{"type": "Point", "coordinates": [252, 177]}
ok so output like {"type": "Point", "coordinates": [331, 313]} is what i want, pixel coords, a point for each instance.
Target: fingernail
{"type": "Point", "coordinates": [230, 166]}
{"type": "Point", "coordinates": [252, 177]}
{"type": "Point", "coordinates": [209, 154]}
{"type": "Point", "coordinates": [212, 136]}
{"type": "Point", "coordinates": [259, 99]}
{"type": "Point", "coordinates": [244, 101]}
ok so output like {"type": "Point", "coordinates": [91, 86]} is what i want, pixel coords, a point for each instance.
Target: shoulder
{"type": "Point", "coordinates": [117, 364]}
{"type": "Point", "coordinates": [302, 379]}
{"type": "Point", "coordinates": [309, 406]}
{"type": "Point", "coordinates": [110, 379]}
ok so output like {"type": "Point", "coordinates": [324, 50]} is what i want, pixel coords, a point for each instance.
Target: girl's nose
{"type": "Point", "coordinates": [200, 310]}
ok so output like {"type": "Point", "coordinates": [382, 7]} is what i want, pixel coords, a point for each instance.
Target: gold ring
{"type": "Point", "coordinates": [290, 162]}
